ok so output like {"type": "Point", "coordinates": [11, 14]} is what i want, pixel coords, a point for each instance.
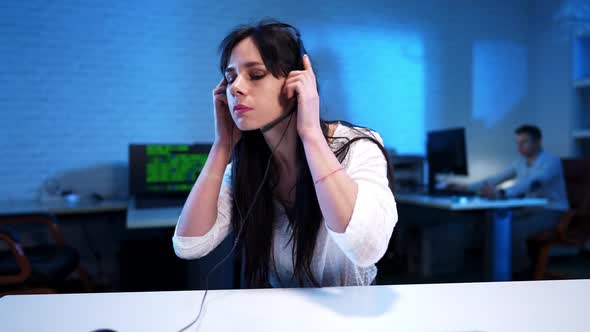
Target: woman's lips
{"type": "Point", "coordinates": [241, 109]}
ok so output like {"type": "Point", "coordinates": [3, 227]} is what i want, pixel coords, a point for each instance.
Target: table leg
{"type": "Point", "coordinates": [498, 245]}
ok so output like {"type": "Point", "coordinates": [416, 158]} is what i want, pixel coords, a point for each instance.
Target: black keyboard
{"type": "Point", "coordinates": [158, 202]}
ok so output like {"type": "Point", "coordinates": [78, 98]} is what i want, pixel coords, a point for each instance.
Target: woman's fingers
{"type": "Point", "coordinates": [292, 88]}
{"type": "Point", "coordinates": [299, 80]}
{"type": "Point", "coordinates": [220, 90]}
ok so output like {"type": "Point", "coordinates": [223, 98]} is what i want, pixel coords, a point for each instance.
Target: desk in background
{"type": "Point", "coordinates": [23, 207]}
{"type": "Point", "coordinates": [135, 218]}
{"type": "Point", "coordinates": [509, 306]}
{"type": "Point", "coordinates": [498, 218]}
{"type": "Point", "coordinates": [151, 218]}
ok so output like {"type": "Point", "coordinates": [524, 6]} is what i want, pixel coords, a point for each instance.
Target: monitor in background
{"type": "Point", "coordinates": [446, 154]}
{"type": "Point", "coordinates": [163, 174]}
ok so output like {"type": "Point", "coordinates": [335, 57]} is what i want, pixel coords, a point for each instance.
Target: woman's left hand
{"type": "Point", "coordinates": [302, 85]}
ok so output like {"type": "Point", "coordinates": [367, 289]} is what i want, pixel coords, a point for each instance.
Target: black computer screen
{"type": "Point", "coordinates": [165, 169]}
{"type": "Point", "coordinates": [446, 152]}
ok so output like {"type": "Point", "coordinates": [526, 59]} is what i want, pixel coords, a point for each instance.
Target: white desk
{"type": "Point", "coordinates": [499, 220]}
{"type": "Point", "coordinates": [490, 307]}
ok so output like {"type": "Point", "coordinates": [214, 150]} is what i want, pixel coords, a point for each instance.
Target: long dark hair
{"type": "Point", "coordinates": [278, 44]}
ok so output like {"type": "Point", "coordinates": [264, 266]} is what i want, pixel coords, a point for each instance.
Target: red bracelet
{"type": "Point", "coordinates": [325, 176]}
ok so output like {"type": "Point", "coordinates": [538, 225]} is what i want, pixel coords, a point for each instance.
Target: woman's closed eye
{"type": "Point", "coordinates": [255, 76]}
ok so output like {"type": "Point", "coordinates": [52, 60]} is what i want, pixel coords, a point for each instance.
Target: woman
{"type": "Point", "coordinates": [309, 200]}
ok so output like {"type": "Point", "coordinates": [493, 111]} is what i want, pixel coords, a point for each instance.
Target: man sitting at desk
{"type": "Point", "coordinates": [536, 173]}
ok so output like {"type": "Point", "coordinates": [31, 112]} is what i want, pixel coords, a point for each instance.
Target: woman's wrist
{"type": "Point", "coordinates": [312, 135]}
{"type": "Point", "coordinates": [222, 149]}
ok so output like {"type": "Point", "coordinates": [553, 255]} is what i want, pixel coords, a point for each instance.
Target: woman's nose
{"type": "Point", "coordinates": [237, 86]}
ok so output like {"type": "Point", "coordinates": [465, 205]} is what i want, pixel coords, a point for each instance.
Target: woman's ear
{"type": "Point", "coordinates": [285, 100]}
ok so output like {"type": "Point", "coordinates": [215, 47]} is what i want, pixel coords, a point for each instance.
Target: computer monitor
{"type": "Point", "coordinates": [165, 169]}
{"type": "Point", "coordinates": [446, 153]}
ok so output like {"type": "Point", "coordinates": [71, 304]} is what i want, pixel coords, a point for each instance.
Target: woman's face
{"type": "Point", "coordinates": [254, 95]}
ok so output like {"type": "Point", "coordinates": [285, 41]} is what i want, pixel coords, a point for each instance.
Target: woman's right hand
{"type": "Point", "coordinates": [226, 132]}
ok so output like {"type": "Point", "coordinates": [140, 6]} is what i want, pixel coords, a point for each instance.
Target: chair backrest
{"type": "Point", "coordinates": [577, 182]}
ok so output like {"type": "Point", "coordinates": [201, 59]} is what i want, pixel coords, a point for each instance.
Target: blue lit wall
{"type": "Point", "coordinates": [373, 78]}
{"type": "Point", "coordinates": [552, 97]}
{"type": "Point", "coordinates": [500, 80]}
{"type": "Point", "coordinates": [80, 81]}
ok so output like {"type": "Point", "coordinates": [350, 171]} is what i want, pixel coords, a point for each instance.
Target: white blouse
{"type": "Point", "coordinates": [340, 259]}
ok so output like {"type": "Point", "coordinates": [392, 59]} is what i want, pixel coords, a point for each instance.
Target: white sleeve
{"type": "Point", "coordinates": [191, 247]}
{"type": "Point", "coordinates": [374, 216]}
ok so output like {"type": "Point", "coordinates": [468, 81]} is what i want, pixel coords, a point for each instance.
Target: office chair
{"type": "Point", "coordinates": [38, 268]}
{"type": "Point", "coordinates": [573, 230]}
